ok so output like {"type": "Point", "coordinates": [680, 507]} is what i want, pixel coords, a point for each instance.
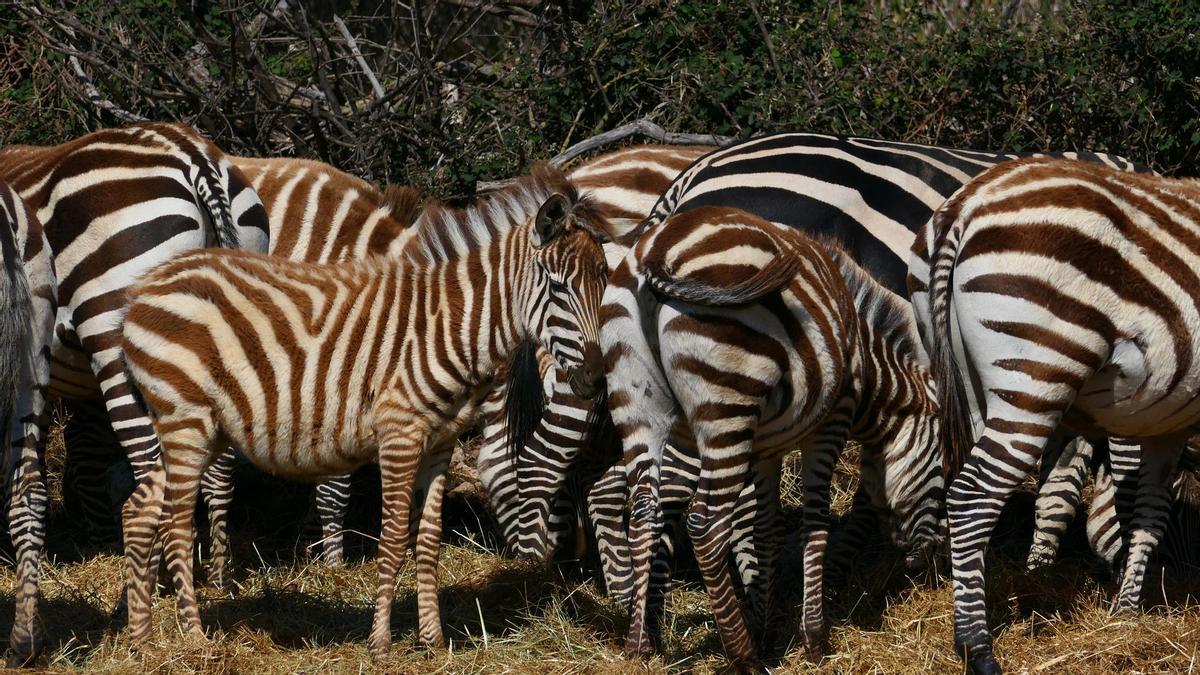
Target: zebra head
{"type": "Point", "coordinates": [570, 276]}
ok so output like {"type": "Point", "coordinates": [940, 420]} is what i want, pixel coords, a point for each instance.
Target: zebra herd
{"type": "Point", "coordinates": [641, 340]}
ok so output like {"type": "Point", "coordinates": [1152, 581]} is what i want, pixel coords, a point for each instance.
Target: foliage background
{"type": "Point", "coordinates": [471, 89]}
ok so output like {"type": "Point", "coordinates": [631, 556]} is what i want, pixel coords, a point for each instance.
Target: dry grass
{"type": "Point", "coordinates": [503, 616]}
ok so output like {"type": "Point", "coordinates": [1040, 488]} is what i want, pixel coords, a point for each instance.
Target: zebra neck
{"type": "Point", "coordinates": [484, 306]}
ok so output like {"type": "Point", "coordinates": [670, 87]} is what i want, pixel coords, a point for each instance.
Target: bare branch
{"type": "Point", "coordinates": [362, 63]}
{"type": "Point", "coordinates": [642, 127]}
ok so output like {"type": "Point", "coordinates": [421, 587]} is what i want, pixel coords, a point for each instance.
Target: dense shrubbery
{"type": "Point", "coordinates": [478, 91]}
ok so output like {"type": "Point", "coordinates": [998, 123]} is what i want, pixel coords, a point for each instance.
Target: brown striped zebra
{"type": "Point", "coordinates": [751, 340]}
{"type": "Point", "coordinates": [28, 295]}
{"type": "Point", "coordinates": [311, 370]}
{"type": "Point", "coordinates": [1059, 293]}
{"type": "Point", "coordinates": [114, 204]}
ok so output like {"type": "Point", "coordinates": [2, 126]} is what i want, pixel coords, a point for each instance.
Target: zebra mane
{"type": "Point", "coordinates": [406, 204]}
{"type": "Point", "coordinates": [442, 233]}
{"type": "Point", "coordinates": [881, 307]}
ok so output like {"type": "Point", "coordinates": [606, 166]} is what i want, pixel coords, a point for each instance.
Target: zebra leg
{"type": "Point", "coordinates": [141, 514]}
{"type": "Point", "coordinates": [26, 521]}
{"type": "Point", "coordinates": [333, 500]}
{"type": "Point", "coordinates": [680, 468]}
{"type": "Point", "coordinates": [429, 539]}
{"type": "Point", "coordinates": [1103, 524]}
{"type": "Point", "coordinates": [762, 524]}
{"type": "Point", "coordinates": [1124, 465]}
{"type": "Point", "coordinates": [545, 461]}
{"type": "Point", "coordinates": [91, 450]}
{"type": "Point", "coordinates": [498, 467]}
{"type": "Point", "coordinates": [187, 452]}
{"type": "Point", "coordinates": [216, 486]}
{"type": "Point", "coordinates": [1001, 458]}
{"type": "Point", "coordinates": [399, 459]}
{"type": "Point", "coordinates": [606, 509]}
{"type": "Point", "coordinates": [1058, 499]}
{"type": "Point", "coordinates": [818, 455]}
{"type": "Point", "coordinates": [723, 472]}
{"type": "Point", "coordinates": [1152, 508]}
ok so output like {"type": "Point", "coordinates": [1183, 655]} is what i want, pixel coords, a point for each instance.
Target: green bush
{"type": "Point", "coordinates": [1108, 76]}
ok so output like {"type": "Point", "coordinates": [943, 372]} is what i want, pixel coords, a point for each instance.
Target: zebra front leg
{"type": "Point", "coordinates": [216, 486]}
{"type": "Point", "coordinates": [1152, 508]}
{"type": "Point", "coordinates": [333, 500]}
{"type": "Point", "coordinates": [91, 452]}
{"type": "Point", "coordinates": [545, 462]}
{"type": "Point", "coordinates": [27, 526]}
{"type": "Point", "coordinates": [400, 448]}
{"type": "Point", "coordinates": [429, 539]}
{"type": "Point", "coordinates": [1057, 500]}
{"type": "Point", "coordinates": [606, 509]}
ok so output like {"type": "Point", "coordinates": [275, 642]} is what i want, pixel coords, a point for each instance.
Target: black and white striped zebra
{"type": "Point", "coordinates": [113, 204]}
{"type": "Point", "coordinates": [1058, 292]}
{"type": "Point", "coordinates": [750, 340]}
{"type": "Point", "coordinates": [28, 298]}
{"type": "Point", "coordinates": [870, 196]}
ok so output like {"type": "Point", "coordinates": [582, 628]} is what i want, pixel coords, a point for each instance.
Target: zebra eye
{"type": "Point", "coordinates": [557, 286]}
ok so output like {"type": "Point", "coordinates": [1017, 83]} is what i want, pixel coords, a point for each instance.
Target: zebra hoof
{"type": "Point", "coordinates": [983, 664]}
{"type": "Point", "coordinates": [814, 647]}
{"type": "Point", "coordinates": [746, 664]}
{"type": "Point", "coordinates": [23, 654]}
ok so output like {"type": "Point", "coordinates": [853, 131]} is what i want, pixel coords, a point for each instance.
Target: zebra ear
{"type": "Point", "coordinates": [551, 219]}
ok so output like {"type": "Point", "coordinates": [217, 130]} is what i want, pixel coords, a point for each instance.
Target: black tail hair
{"type": "Point", "coordinates": [526, 401]}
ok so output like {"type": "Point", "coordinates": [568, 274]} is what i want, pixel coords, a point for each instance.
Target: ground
{"type": "Point", "coordinates": [503, 615]}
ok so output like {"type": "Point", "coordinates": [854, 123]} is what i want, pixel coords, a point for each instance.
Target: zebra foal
{"type": "Point", "coordinates": [28, 298]}
{"type": "Point", "coordinates": [750, 340]}
{"type": "Point", "coordinates": [1059, 293]}
{"type": "Point", "coordinates": [312, 370]}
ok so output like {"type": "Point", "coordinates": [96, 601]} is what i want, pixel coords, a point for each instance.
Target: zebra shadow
{"type": "Point", "coordinates": [486, 606]}
{"type": "Point", "coordinates": [75, 626]}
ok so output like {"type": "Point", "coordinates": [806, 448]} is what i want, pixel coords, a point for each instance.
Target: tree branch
{"type": "Point", "coordinates": [362, 63]}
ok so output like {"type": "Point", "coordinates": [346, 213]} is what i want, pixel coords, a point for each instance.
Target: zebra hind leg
{"type": "Point", "coordinates": [1000, 459]}
{"type": "Point", "coordinates": [1058, 499]}
{"type": "Point", "coordinates": [27, 527]}
{"type": "Point", "coordinates": [216, 486]}
{"type": "Point", "coordinates": [1152, 508]}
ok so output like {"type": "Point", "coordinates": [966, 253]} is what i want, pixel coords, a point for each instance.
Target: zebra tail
{"type": "Point", "coordinates": [210, 181]}
{"type": "Point", "coordinates": [16, 333]}
{"type": "Point", "coordinates": [772, 277]}
{"type": "Point", "coordinates": [525, 401]}
{"type": "Point", "coordinates": [954, 408]}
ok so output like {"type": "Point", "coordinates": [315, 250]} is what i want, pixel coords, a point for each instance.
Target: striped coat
{"type": "Point", "coordinates": [1059, 293]}
{"type": "Point", "coordinates": [114, 204]}
{"type": "Point", "coordinates": [28, 295]}
{"type": "Point", "coordinates": [748, 340]}
{"type": "Point", "coordinates": [385, 359]}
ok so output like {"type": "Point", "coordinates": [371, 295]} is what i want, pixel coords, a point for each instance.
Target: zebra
{"type": "Point", "coordinates": [622, 186]}
{"type": "Point", "coordinates": [113, 204]}
{"type": "Point", "coordinates": [1066, 293]}
{"type": "Point", "coordinates": [752, 340]}
{"type": "Point", "coordinates": [869, 196]}
{"type": "Point", "coordinates": [28, 295]}
{"type": "Point", "coordinates": [384, 359]}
